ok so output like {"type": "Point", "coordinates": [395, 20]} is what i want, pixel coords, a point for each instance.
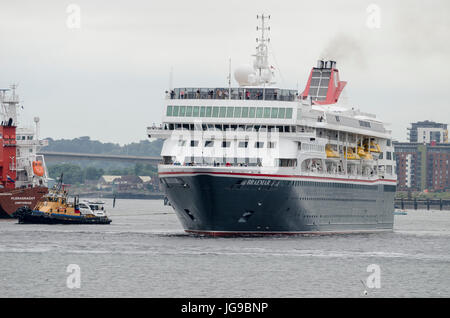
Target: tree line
{"type": "Point", "coordinates": [86, 145]}
{"type": "Point", "coordinates": [74, 174]}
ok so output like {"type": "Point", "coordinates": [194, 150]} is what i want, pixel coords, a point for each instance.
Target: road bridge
{"type": "Point", "coordinates": [51, 156]}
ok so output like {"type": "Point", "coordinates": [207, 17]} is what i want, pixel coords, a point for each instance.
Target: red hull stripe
{"type": "Point", "coordinates": [232, 233]}
{"type": "Point", "coordinates": [271, 175]}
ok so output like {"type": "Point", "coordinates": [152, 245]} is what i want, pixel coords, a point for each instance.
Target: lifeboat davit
{"type": "Point", "coordinates": [371, 146]}
{"type": "Point", "coordinates": [363, 154]}
{"type": "Point", "coordinates": [38, 169]}
{"type": "Point", "coordinates": [351, 154]}
{"type": "Point", "coordinates": [330, 152]}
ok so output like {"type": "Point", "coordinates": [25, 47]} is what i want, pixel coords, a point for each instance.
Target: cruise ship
{"type": "Point", "coordinates": [258, 159]}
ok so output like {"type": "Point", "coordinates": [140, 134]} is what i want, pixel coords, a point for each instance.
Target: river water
{"type": "Point", "coordinates": [144, 252]}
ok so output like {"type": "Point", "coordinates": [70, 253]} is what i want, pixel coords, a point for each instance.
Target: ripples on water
{"type": "Point", "coordinates": [145, 253]}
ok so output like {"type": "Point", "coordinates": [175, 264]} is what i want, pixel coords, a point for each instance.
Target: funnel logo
{"type": "Point", "coordinates": [374, 16]}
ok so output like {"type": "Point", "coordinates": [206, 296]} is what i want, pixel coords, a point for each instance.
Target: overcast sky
{"type": "Point", "coordinates": [107, 78]}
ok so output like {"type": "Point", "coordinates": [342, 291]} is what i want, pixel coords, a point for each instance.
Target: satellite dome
{"type": "Point", "coordinates": [245, 75]}
{"type": "Point", "coordinates": [266, 75]}
{"type": "Point", "coordinates": [252, 78]}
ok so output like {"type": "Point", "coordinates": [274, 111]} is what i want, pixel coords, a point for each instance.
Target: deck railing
{"type": "Point", "coordinates": [236, 93]}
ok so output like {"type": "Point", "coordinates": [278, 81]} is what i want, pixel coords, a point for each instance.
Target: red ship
{"type": "Point", "coordinates": [23, 176]}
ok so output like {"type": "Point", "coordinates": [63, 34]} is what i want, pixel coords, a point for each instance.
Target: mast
{"type": "Point", "coordinates": [229, 78]}
{"type": "Point", "coordinates": [261, 63]}
{"type": "Point", "coordinates": [260, 73]}
{"type": "Point", "coordinates": [9, 106]}
{"type": "Point", "coordinates": [171, 79]}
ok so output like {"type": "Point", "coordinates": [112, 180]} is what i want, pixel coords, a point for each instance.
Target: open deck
{"type": "Point", "coordinates": [257, 93]}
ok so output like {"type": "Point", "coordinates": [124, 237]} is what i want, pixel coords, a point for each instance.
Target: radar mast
{"type": "Point", "coordinates": [9, 105]}
{"type": "Point", "coordinates": [261, 73]}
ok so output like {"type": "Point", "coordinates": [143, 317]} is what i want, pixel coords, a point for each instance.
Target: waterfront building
{"type": "Point", "coordinates": [428, 131]}
{"type": "Point", "coordinates": [424, 165]}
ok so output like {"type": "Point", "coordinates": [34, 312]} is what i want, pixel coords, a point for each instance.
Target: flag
{"type": "Point", "coordinates": [10, 179]}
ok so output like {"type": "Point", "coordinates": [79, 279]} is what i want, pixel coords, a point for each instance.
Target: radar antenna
{"type": "Point", "coordinates": [261, 73]}
{"type": "Point", "coordinates": [261, 63]}
{"type": "Point", "coordinates": [9, 104]}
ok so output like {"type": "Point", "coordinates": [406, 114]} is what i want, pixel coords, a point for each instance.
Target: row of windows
{"type": "Point", "coordinates": [233, 93]}
{"type": "Point", "coordinates": [389, 155]}
{"type": "Point", "coordinates": [227, 127]}
{"type": "Point", "coordinates": [339, 216]}
{"type": "Point", "coordinates": [363, 123]}
{"type": "Point", "coordinates": [337, 199]}
{"type": "Point", "coordinates": [227, 144]}
{"type": "Point", "coordinates": [229, 112]}
{"type": "Point", "coordinates": [29, 137]}
{"type": "Point", "coordinates": [223, 160]}
{"type": "Point", "coordinates": [333, 185]}
{"type": "Point", "coordinates": [310, 147]}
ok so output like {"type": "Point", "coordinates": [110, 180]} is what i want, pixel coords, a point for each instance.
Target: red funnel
{"type": "Point", "coordinates": [324, 86]}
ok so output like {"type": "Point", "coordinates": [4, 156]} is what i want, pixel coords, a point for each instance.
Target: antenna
{"type": "Point", "coordinates": [36, 121]}
{"type": "Point", "coordinates": [261, 73]}
{"type": "Point", "coordinates": [261, 50]}
{"type": "Point", "coordinates": [229, 78]}
{"type": "Point", "coordinates": [60, 183]}
{"type": "Point", "coordinates": [261, 63]}
{"type": "Point", "coordinates": [9, 105]}
{"type": "Point", "coordinates": [171, 78]}
{"type": "Point", "coordinates": [13, 88]}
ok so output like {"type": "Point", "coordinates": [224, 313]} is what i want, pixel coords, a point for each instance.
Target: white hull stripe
{"type": "Point", "coordinates": [273, 176]}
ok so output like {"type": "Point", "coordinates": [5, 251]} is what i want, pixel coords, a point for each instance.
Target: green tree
{"type": "Point", "coordinates": [138, 169]}
{"type": "Point", "coordinates": [86, 145]}
{"type": "Point", "coordinates": [71, 173]}
{"type": "Point", "coordinates": [92, 173]}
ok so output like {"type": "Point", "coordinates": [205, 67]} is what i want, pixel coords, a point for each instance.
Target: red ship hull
{"type": "Point", "coordinates": [12, 199]}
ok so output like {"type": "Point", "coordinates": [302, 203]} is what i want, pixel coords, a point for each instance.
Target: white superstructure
{"type": "Point", "coordinates": [27, 143]}
{"type": "Point", "coordinates": [260, 127]}
{"type": "Point", "coordinates": [258, 159]}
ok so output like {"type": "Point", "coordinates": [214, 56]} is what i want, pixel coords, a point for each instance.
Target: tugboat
{"type": "Point", "coordinates": [55, 208]}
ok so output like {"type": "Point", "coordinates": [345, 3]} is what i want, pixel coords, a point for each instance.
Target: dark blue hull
{"type": "Point", "coordinates": [212, 204]}
{"type": "Point", "coordinates": [28, 216]}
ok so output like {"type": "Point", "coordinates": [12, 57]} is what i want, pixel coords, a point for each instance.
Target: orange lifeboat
{"type": "Point", "coordinates": [38, 169]}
